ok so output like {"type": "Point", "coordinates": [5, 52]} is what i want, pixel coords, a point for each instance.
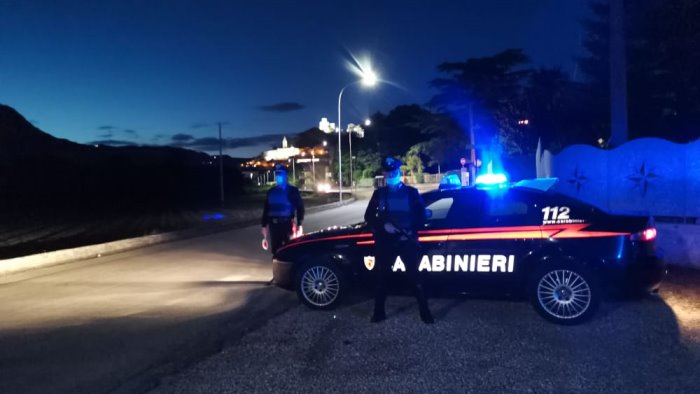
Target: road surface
{"type": "Point", "coordinates": [117, 323]}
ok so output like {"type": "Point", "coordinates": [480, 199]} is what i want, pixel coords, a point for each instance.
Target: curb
{"type": "Point", "coordinates": [47, 259]}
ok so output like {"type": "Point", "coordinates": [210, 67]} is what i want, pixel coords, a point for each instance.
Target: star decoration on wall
{"type": "Point", "coordinates": [643, 178]}
{"type": "Point", "coordinates": [578, 179]}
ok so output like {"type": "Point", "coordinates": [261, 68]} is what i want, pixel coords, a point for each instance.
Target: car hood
{"type": "Point", "coordinates": [334, 233]}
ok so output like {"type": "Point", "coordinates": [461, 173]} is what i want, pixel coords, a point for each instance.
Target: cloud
{"type": "Point", "coordinates": [199, 125]}
{"type": "Point", "coordinates": [281, 107]}
{"type": "Point", "coordinates": [211, 144]}
{"type": "Point", "coordinates": [110, 131]}
{"type": "Point", "coordinates": [182, 137]}
{"type": "Point", "coordinates": [111, 142]}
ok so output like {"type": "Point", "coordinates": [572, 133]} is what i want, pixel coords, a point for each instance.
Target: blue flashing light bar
{"type": "Point", "coordinates": [450, 181]}
{"type": "Point", "coordinates": [490, 179]}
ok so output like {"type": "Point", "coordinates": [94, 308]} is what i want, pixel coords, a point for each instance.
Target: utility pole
{"type": "Point", "coordinates": [313, 167]}
{"type": "Point", "coordinates": [221, 166]}
{"type": "Point", "coordinates": [472, 154]}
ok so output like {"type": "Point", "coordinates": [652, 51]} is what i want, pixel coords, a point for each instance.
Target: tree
{"type": "Point", "coordinates": [557, 110]}
{"type": "Point", "coordinates": [413, 164]}
{"type": "Point", "coordinates": [394, 133]}
{"type": "Point", "coordinates": [445, 141]}
{"type": "Point", "coordinates": [367, 164]}
{"type": "Point", "coordinates": [486, 94]}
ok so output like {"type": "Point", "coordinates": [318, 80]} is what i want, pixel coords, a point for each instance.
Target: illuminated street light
{"type": "Point", "coordinates": [368, 78]}
{"type": "Point", "coordinates": [368, 122]}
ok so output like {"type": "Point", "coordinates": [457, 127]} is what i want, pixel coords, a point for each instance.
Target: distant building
{"type": "Point", "coordinates": [283, 153]}
{"type": "Point", "coordinates": [309, 167]}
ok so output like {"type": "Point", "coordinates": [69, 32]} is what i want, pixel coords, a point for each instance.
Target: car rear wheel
{"type": "Point", "coordinates": [319, 285]}
{"type": "Point", "coordinates": [565, 294]}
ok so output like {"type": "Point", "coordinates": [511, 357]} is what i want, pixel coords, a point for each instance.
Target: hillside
{"type": "Point", "coordinates": [42, 172]}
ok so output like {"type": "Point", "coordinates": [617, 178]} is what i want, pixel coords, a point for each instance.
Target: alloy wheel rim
{"type": "Point", "coordinates": [564, 294]}
{"type": "Point", "coordinates": [320, 285]}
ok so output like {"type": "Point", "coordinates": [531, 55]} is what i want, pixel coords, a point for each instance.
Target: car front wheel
{"type": "Point", "coordinates": [564, 294]}
{"type": "Point", "coordinates": [319, 285]}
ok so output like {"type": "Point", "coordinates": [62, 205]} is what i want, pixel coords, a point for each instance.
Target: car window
{"type": "Point", "coordinates": [440, 208]}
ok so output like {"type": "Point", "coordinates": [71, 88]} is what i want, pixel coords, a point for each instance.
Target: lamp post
{"type": "Point", "coordinates": [368, 79]}
{"type": "Point", "coordinates": [294, 170]}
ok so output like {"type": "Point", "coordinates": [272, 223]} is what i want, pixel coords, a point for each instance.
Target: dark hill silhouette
{"type": "Point", "coordinates": [40, 172]}
{"type": "Point", "coordinates": [20, 139]}
{"type": "Point", "coordinates": [310, 138]}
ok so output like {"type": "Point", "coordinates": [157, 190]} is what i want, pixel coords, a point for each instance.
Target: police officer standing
{"type": "Point", "coordinates": [395, 214]}
{"type": "Point", "coordinates": [282, 204]}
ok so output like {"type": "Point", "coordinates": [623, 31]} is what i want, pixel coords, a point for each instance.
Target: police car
{"type": "Point", "coordinates": [520, 239]}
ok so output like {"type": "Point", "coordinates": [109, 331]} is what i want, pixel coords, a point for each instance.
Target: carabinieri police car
{"type": "Point", "coordinates": [523, 239]}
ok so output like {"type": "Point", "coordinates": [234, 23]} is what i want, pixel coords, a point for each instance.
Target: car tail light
{"type": "Point", "coordinates": [647, 235]}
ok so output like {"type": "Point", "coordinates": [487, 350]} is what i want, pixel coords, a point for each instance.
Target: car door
{"type": "Point", "coordinates": [501, 231]}
{"type": "Point", "coordinates": [433, 239]}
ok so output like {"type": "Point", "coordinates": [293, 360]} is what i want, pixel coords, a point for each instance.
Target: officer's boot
{"type": "Point", "coordinates": [379, 313]}
{"type": "Point", "coordinates": [425, 314]}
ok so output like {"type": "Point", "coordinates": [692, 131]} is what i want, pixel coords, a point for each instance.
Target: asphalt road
{"type": "Point", "coordinates": [118, 323]}
{"type": "Point", "coordinates": [476, 346]}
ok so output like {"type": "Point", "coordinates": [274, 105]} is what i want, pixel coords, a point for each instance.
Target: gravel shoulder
{"type": "Point", "coordinates": [496, 346]}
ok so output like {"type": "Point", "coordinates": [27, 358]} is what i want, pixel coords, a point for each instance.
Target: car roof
{"type": "Point", "coordinates": [483, 191]}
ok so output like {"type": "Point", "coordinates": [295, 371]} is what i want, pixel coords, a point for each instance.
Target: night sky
{"type": "Point", "coordinates": [164, 72]}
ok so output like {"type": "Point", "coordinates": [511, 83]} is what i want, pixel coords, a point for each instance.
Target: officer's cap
{"type": "Point", "coordinates": [280, 167]}
{"type": "Point", "coordinates": [390, 164]}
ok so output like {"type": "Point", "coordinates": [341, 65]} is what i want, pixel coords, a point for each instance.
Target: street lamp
{"type": "Point", "coordinates": [368, 79]}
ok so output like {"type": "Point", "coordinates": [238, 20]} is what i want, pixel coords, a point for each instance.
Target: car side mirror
{"type": "Point", "coordinates": [428, 213]}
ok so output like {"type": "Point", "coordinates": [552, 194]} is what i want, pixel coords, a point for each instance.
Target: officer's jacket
{"type": "Point", "coordinates": [402, 206]}
{"type": "Point", "coordinates": [283, 203]}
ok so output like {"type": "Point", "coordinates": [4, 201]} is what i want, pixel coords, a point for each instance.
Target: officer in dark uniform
{"type": "Point", "coordinates": [282, 204]}
{"type": "Point", "coordinates": [395, 214]}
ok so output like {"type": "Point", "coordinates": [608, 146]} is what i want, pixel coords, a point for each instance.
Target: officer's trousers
{"type": "Point", "coordinates": [386, 253]}
{"type": "Point", "coordinates": [280, 233]}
